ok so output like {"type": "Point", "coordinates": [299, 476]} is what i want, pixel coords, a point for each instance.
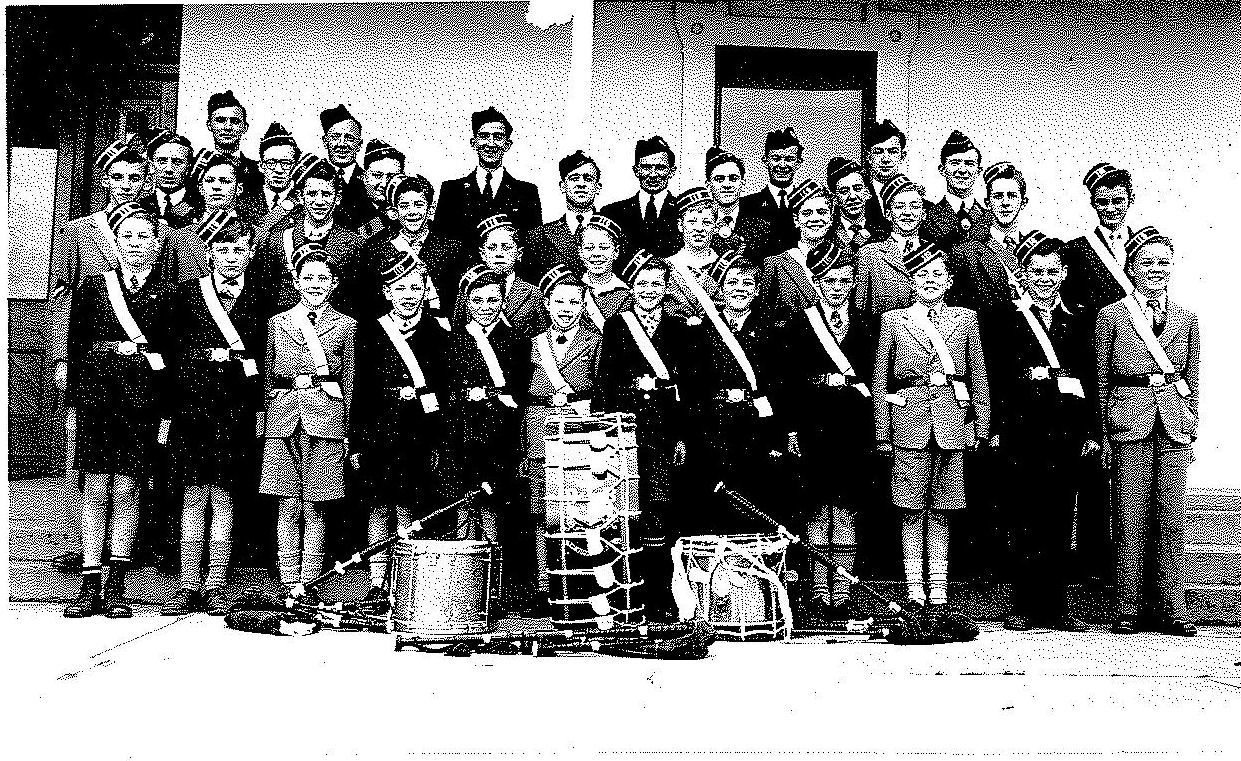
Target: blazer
{"type": "Point", "coordinates": [880, 281]}
{"type": "Point", "coordinates": [809, 404]}
{"type": "Point", "coordinates": [869, 233]}
{"type": "Point", "coordinates": [1130, 412]}
{"type": "Point", "coordinates": [661, 238]}
{"type": "Point", "coordinates": [763, 205]}
{"type": "Point", "coordinates": [180, 214]}
{"type": "Point", "coordinates": [752, 232]}
{"type": "Point", "coordinates": [271, 261]}
{"type": "Point", "coordinates": [621, 363]}
{"type": "Point", "coordinates": [1088, 281]}
{"type": "Point", "coordinates": [319, 414]}
{"type": "Point", "coordinates": [941, 220]}
{"type": "Point", "coordinates": [355, 207]}
{"type": "Point", "coordinates": [82, 249]}
{"type": "Point", "coordinates": [184, 255]}
{"type": "Point", "coordinates": [547, 246]}
{"type": "Point", "coordinates": [362, 285]}
{"type": "Point", "coordinates": [904, 352]}
{"type": "Point", "coordinates": [979, 278]}
{"type": "Point", "coordinates": [461, 206]}
{"type": "Point", "coordinates": [523, 308]}
{"type": "Point", "coordinates": [381, 424]}
{"type": "Point", "coordinates": [251, 181]}
{"type": "Point", "coordinates": [1032, 414]}
{"type": "Point", "coordinates": [784, 289]}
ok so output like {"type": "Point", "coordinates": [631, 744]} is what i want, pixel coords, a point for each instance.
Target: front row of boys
{"type": "Point", "coordinates": [424, 413]}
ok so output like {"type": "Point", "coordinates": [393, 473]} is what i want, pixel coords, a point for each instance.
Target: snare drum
{"type": "Point", "coordinates": [737, 581]}
{"type": "Point", "coordinates": [441, 587]}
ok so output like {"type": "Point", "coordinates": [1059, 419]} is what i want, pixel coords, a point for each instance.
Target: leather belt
{"type": "Point", "coordinates": [219, 354]}
{"type": "Point", "coordinates": [833, 380]}
{"type": "Point", "coordinates": [734, 395]}
{"type": "Point", "coordinates": [935, 379]}
{"type": "Point", "coordinates": [123, 348]}
{"type": "Point", "coordinates": [303, 381]}
{"type": "Point", "coordinates": [1146, 380]}
{"type": "Point", "coordinates": [1043, 373]}
{"type": "Point", "coordinates": [557, 400]}
{"type": "Point", "coordinates": [478, 394]}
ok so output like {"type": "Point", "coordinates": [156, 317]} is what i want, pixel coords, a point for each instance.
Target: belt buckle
{"type": "Point", "coordinates": [836, 379]}
{"type": "Point", "coordinates": [1040, 373]}
{"type": "Point", "coordinates": [736, 395]}
{"type": "Point", "coordinates": [406, 392]}
{"type": "Point", "coordinates": [219, 355]}
{"type": "Point", "coordinates": [646, 383]}
{"type": "Point", "coordinates": [126, 348]}
{"type": "Point", "coordinates": [938, 379]}
{"type": "Point", "coordinates": [1157, 380]}
{"type": "Point", "coordinates": [560, 400]}
{"type": "Point", "coordinates": [476, 394]}
{"type": "Point", "coordinates": [301, 381]}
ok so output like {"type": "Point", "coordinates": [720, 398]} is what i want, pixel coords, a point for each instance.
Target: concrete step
{"type": "Point", "coordinates": [1214, 604]}
{"type": "Point", "coordinates": [1213, 564]}
{"type": "Point", "coordinates": [1213, 527]}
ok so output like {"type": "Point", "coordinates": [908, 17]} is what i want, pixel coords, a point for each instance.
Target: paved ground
{"type": "Point", "coordinates": [181, 688]}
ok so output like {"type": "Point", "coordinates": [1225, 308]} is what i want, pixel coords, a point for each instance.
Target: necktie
{"type": "Point", "coordinates": [1010, 242]}
{"type": "Point", "coordinates": [783, 201]}
{"type": "Point", "coordinates": [1041, 314]}
{"type": "Point", "coordinates": [313, 317]}
{"type": "Point", "coordinates": [836, 323]}
{"type": "Point", "coordinates": [728, 220]}
{"type": "Point", "coordinates": [167, 210]}
{"type": "Point", "coordinates": [133, 283]}
{"type": "Point", "coordinates": [488, 193]}
{"type": "Point", "coordinates": [909, 247]}
{"type": "Point", "coordinates": [651, 213]}
{"type": "Point", "coordinates": [580, 219]}
{"type": "Point", "coordinates": [934, 315]}
{"type": "Point", "coordinates": [1157, 315]}
{"type": "Point", "coordinates": [230, 287]}
{"type": "Point", "coordinates": [562, 339]}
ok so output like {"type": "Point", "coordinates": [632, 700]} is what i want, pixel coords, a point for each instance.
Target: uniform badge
{"type": "Point", "coordinates": [560, 400]}
{"type": "Point", "coordinates": [126, 348]}
{"type": "Point", "coordinates": [646, 383]}
{"type": "Point", "coordinates": [476, 394]}
{"type": "Point", "coordinates": [965, 223]}
{"type": "Point", "coordinates": [219, 355]}
{"type": "Point", "coordinates": [938, 379]}
{"type": "Point", "coordinates": [407, 392]}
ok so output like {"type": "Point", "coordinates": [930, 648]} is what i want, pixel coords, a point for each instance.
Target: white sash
{"type": "Point", "coordinates": [645, 346]}
{"type": "Point", "coordinates": [805, 269]}
{"type": "Point", "coordinates": [945, 356]}
{"type": "Point", "coordinates": [100, 219]}
{"type": "Point", "coordinates": [832, 348]}
{"type": "Point", "coordinates": [224, 323]}
{"type": "Point", "coordinates": [1138, 317]}
{"type": "Point", "coordinates": [1025, 305]}
{"type": "Point", "coordinates": [489, 359]}
{"type": "Point", "coordinates": [315, 347]}
{"type": "Point", "coordinates": [592, 309]}
{"type": "Point", "coordinates": [433, 296]}
{"type": "Point", "coordinates": [1109, 261]}
{"type": "Point", "coordinates": [429, 402]}
{"type": "Point", "coordinates": [547, 359]}
{"type": "Point", "coordinates": [288, 250]}
{"type": "Point", "coordinates": [128, 324]}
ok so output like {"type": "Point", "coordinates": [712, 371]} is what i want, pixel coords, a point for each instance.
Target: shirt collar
{"type": "Point", "coordinates": [569, 334]}
{"type": "Point", "coordinates": [924, 310]}
{"type": "Point", "coordinates": [174, 198]}
{"type": "Point", "coordinates": [320, 232]}
{"type": "Point", "coordinates": [400, 321]}
{"type": "Point", "coordinates": [957, 202]}
{"type": "Point", "coordinates": [734, 211]}
{"type": "Point", "coordinates": [1115, 241]}
{"type": "Point", "coordinates": [612, 284]}
{"type": "Point", "coordinates": [219, 280]}
{"type": "Point", "coordinates": [999, 235]}
{"type": "Point", "coordinates": [127, 273]}
{"type": "Point", "coordinates": [347, 173]}
{"type": "Point", "coordinates": [901, 240]}
{"type": "Point", "coordinates": [497, 176]}
{"type": "Point", "coordinates": [1162, 297]}
{"type": "Point", "coordinates": [659, 197]}
{"type": "Point", "coordinates": [570, 218]}
{"type": "Point", "coordinates": [775, 193]}
{"type": "Point", "coordinates": [508, 281]}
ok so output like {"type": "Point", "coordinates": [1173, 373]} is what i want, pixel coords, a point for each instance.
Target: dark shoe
{"type": "Point", "coordinates": [538, 607]}
{"type": "Point", "coordinates": [88, 602]}
{"type": "Point", "coordinates": [818, 613]}
{"type": "Point", "coordinates": [214, 602]}
{"type": "Point", "coordinates": [846, 610]}
{"type": "Point", "coordinates": [184, 603]}
{"type": "Point", "coordinates": [1125, 626]}
{"type": "Point", "coordinates": [1017, 623]}
{"type": "Point", "coordinates": [1177, 627]}
{"type": "Point", "coordinates": [114, 604]}
{"type": "Point", "coordinates": [1068, 623]}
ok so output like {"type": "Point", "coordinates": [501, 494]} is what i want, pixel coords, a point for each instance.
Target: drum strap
{"type": "Point", "coordinates": [547, 360]}
{"type": "Point", "coordinates": [123, 316]}
{"type": "Point", "coordinates": [1143, 328]}
{"type": "Point", "coordinates": [1109, 261]}
{"type": "Point", "coordinates": [288, 251]}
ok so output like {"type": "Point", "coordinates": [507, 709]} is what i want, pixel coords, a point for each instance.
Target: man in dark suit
{"type": "Point", "coordinates": [172, 201]}
{"type": "Point", "coordinates": [380, 163]}
{"type": "Point", "coordinates": [1090, 280]}
{"type": "Point", "coordinates": [555, 243]}
{"type": "Point", "coordinates": [278, 154]}
{"type": "Point", "coordinates": [885, 155]}
{"type": "Point", "coordinates": [852, 226]}
{"type": "Point", "coordinates": [782, 155]}
{"type": "Point", "coordinates": [227, 122]}
{"type": "Point", "coordinates": [1045, 421]}
{"type": "Point", "coordinates": [489, 189]}
{"type": "Point", "coordinates": [648, 219]}
{"type": "Point", "coordinates": [960, 162]}
{"type": "Point", "coordinates": [734, 230]}
{"type": "Point", "coordinates": [342, 137]}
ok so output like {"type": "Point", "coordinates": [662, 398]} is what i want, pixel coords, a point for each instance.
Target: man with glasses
{"type": "Point", "coordinates": [489, 189]}
{"type": "Point", "coordinates": [782, 155]}
{"type": "Point", "coordinates": [227, 122]}
{"type": "Point", "coordinates": [380, 163]}
{"type": "Point", "coordinates": [342, 137]}
{"type": "Point", "coordinates": [170, 200]}
{"type": "Point", "coordinates": [648, 219]}
{"type": "Point", "coordinates": [279, 154]}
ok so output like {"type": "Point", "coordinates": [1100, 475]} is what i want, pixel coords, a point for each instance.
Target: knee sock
{"type": "Point", "coordinates": [124, 517]}
{"type": "Point", "coordinates": [377, 530]}
{"type": "Point", "coordinates": [937, 555]}
{"type": "Point", "coordinates": [221, 544]}
{"type": "Point", "coordinates": [289, 540]}
{"type": "Point", "coordinates": [819, 536]}
{"type": "Point", "coordinates": [913, 543]}
{"type": "Point", "coordinates": [312, 543]}
{"type": "Point", "coordinates": [193, 532]}
{"type": "Point", "coordinates": [844, 552]}
{"type": "Point", "coordinates": [94, 518]}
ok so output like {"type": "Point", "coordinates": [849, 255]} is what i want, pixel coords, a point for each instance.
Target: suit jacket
{"type": "Point", "coordinates": [381, 424]}
{"type": "Point", "coordinates": [355, 208]}
{"type": "Point", "coordinates": [184, 255]}
{"type": "Point", "coordinates": [362, 285]}
{"type": "Point", "coordinates": [82, 249]}
{"type": "Point", "coordinates": [904, 351]}
{"type": "Point", "coordinates": [104, 379]}
{"type": "Point", "coordinates": [881, 283]}
{"type": "Point", "coordinates": [874, 211]}
{"type": "Point", "coordinates": [1088, 281]}
{"type": "Point", "coordinates": [869, 233]}
{"type": "Point", "coordinates": [1031, 415]}
{"type": "Point", "coordinates": [763, 205]}
{"type": "Point", "coordinates": [681, 302]}
{"type": "Point", "coordinates": [271, 261]}
{"type": "Point", "coordinates": [1130, 412]}
{"type": "Point", "coordinates": [752, 232]}
{"type": "Point", "coordinates": [547, 246]}
{"type": "Point", "coordinates": [621, 363]}
{"type": "Point", "coordinates": [461, 207]}
{"type": "Point", "coordinates": [941, 220]}
{"type": "Point", "coordinates": [980, 280]}
{"type": "Point", "coordinates": [716, 370]}
{"type": "Point", "coordinates": [661, 238]}
{"type": "Point", "coordinates": [839, 409]}
{"type": "Point", "coordinates": [271, 219]}
{"type": "Point", "coordinates": [784, 290]}
{"type": "Point", "coordinates": [320, 414]}
{"type": "Point", "coordinates": [251, 181]}
{"type": "Point", "coordinates": [180, 214]}
{"type": "Point", "coordinates": [523, 308]}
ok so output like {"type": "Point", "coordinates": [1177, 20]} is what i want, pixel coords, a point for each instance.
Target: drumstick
{"type": "Point", "coordinates": [403, 532]}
